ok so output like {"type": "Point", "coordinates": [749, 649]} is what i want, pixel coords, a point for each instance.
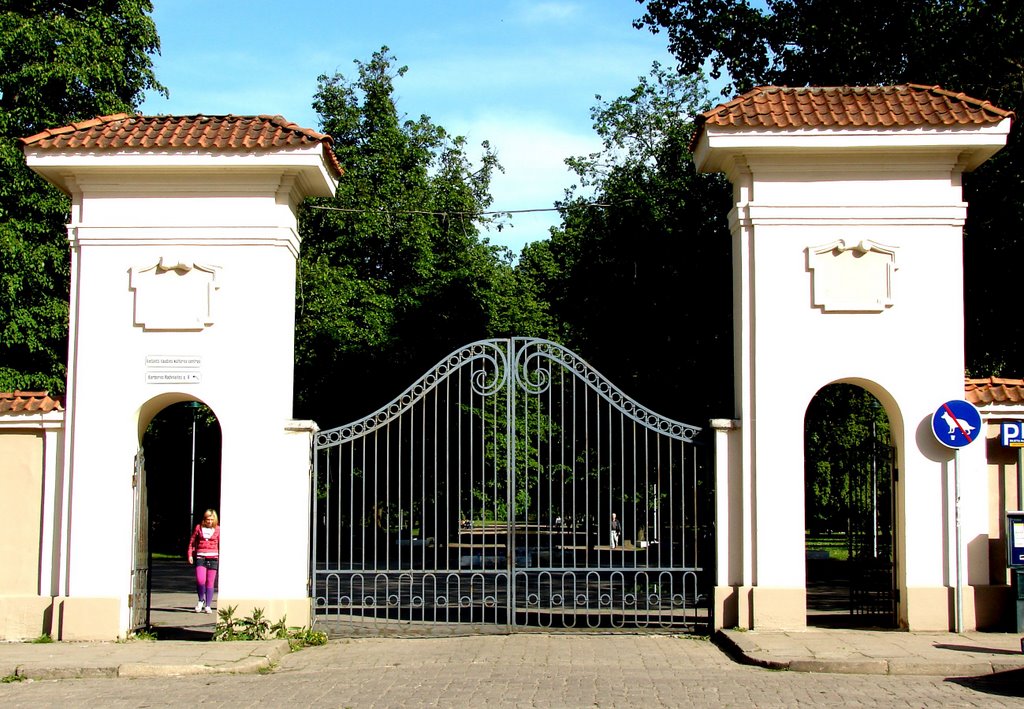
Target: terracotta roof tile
{"type": "Point", "coordinates": [850, 106]}
{"type": "Point", "coordinates": [29, 402]}
{"type": "Point", "coordinates": [994, 390]}
{"type": "Point", "coordinates": [122, 131]}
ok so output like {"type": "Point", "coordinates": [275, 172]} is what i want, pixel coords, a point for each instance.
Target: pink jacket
{"type": "Point", "coordinates": [198, 546]}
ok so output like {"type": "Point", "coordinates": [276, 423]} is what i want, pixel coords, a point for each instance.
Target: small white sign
{"type": "Point", "coordinates": [168, 376]}
{"type": "Point", "coordinates": [175, 361]}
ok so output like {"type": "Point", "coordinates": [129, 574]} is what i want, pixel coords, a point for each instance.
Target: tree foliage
{"type": "Point", "coordinates": [974, 46]}
{"type": "Point", "coordinates": [60, 62]}
{"type": "Point", "coordinates": [640, 285]}
{"type": "Point", "coordinates": [845, 430]}
{"type": "Point", "coordinates": [394, 271]}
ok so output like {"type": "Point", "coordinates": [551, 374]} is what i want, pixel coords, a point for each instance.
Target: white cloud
{"type": "Point", "coordinates": [544, 12]}
{"type": "Point", "coordinates": [532, 148]}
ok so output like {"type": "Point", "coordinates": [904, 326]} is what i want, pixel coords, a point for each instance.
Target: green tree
{"type": "Point", "coordinates": [844, 428]}
{"type": "Point", "coordinates": [60, 62]}
{"type": "Point", "coordinates": [641, 283]}
{"type": "Point", "coordinates": [974, 46]}
{"type": "Point", "coordinates": [394, 271]}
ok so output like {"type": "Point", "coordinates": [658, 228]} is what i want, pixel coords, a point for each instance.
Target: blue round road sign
{"type": "Point", "coordinates": [956, 423]}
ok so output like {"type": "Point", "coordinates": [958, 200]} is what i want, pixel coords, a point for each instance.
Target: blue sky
{"type": "Point", "coordinates": [519, 73]}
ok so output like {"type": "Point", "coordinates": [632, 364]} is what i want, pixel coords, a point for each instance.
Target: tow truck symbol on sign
{"type": "Point", "coordinates": [955, 422]}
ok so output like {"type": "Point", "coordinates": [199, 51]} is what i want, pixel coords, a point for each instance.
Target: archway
{"type": "Point", "coordinates": [182, 447]}
{"type": "Point", "coordinates": [850, 516]}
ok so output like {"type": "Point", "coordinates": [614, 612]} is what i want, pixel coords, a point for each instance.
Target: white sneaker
{"type": "Point", "coordinates": [208, 610]}
{"type": "Point", "coordinates": [199, 606]}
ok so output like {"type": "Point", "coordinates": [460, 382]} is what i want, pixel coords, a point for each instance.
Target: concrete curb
{"type": "Point", "coordinates": [745, 650]}
{"type": "Point", "coordinates": [841, 667]}
{"type": "Point", "coordinates": [38, 673]}
{"type": "Point", "coordinates": [256, 660]}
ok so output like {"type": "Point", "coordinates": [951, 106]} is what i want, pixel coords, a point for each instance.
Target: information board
{"type": "Point", "coordinates": [1015, 539]}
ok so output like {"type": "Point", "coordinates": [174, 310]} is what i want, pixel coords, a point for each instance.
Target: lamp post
{"type": "Point", "coordinates": [194, 405]}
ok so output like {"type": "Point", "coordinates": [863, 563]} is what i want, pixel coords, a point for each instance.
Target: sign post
{"type": "Point", "coordinates": [955, 424]}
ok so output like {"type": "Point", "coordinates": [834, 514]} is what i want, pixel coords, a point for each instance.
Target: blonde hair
{"type": "Point", "coordinates": [213, 513]}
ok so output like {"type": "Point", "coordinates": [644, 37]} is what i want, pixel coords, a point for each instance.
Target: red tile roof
{"type": "Point", "coordinates": [29, 402]}
{"type": "Point", "coordinates": [994, 390]}
{"type": "Point", "coordinates": [850, 106]}
{"type": "Point", "coordinates": [123, 131]}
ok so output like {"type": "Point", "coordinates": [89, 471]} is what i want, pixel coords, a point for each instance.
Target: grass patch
{"type": "Point", "coordinates": [143, 635]}
{"type": "Point", "coordinates": [11, 678]}
{"type": "Point", "coordinates": [835, 545]}
{"type": "Point", "coordinates": [42, 639]}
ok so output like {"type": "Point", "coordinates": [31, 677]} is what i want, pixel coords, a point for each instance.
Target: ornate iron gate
{"type": "Point", "coordinates": [872, 520]}
{"type": "Point", "coordinates": [485, 494]}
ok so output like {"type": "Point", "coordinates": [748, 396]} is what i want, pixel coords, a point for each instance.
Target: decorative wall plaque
{"type": "Point", "coordinates": [173, 294]}
{"type": "Point", "coordinates": [852, 277]}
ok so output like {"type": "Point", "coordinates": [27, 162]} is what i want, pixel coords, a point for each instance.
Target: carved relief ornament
{"type": "Point", "coordinates": [174, 294]}
{"type": "Point", "coordinates": [852, 277]}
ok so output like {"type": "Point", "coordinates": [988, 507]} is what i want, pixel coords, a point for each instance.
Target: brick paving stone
{"type": "Point", "coordinates": [520, 670]}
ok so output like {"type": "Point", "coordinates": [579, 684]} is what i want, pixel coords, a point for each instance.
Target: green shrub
{"type": "Point", "coordinates": [258, 627]}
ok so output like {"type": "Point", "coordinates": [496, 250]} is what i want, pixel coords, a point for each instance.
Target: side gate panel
{"type": "Point", "coordinates": [138, 601]}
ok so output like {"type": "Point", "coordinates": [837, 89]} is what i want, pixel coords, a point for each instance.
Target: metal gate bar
{"type": "Point", "coordinates": [483, 495]}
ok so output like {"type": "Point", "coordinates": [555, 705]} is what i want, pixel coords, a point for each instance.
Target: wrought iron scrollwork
{"type": "Point", "coordinates": [534, 379]}
{"type": "Point", "coordinates": [488, 360]}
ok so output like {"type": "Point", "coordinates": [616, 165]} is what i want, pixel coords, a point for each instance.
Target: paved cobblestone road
{"type": "Point", "coordinates": [519, 670]}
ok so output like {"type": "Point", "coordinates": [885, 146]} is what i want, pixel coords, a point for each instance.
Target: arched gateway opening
{"type": "Point", "coordinates": [181, 476]}
{"type": "Point", "coordinates": [850, 478]}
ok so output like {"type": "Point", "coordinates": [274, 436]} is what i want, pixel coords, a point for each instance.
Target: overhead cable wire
{"type": "Point", "coordinates": [446, 214]}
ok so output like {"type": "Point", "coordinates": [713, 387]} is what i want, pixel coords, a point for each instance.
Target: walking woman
{"type": "Point", "coordinates": [204, 546]}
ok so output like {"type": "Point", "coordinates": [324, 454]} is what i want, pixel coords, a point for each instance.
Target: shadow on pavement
{"type": "Point", "coordinates": [976, 648]}
{"type": "Point", "coordinates": [172, 603]}
{"type": "Point", "coordinates": [1005, 684]}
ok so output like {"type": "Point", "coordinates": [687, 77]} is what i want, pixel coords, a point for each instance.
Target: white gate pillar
{"type": "Point", "coordinates": [184, 241]}
{"type": "Point", "coordinates": [847, 231]}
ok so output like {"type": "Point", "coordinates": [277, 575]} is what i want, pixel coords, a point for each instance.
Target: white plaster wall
{"type": "Point", "coordinates": [242, 222]}
{"type": "Point", "coordinates": [172, 200]}
{"type": "Point", "coordinates": [913, 350]}
{"type": "Point", "coordinates": [866, 179]}
{"type": "Point", "coordinates": [910, 355]}
{"type": "Point", "coordinates": [247, 360]}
